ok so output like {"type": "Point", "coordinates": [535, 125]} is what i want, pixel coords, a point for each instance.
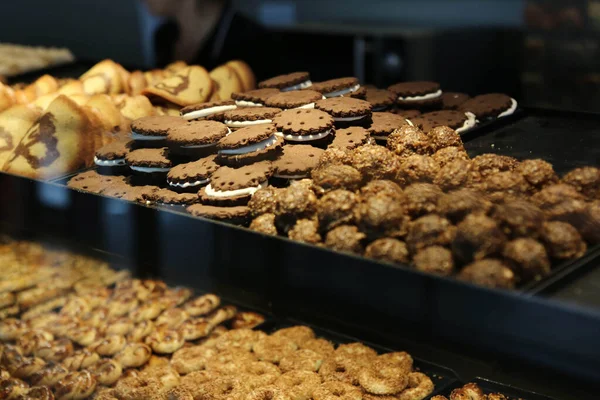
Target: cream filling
{"type": "Point", "coordinates": [427, 96]}
{"type": "Point", "coordinates": [245, 103]}
{"type": "Point", "coordinates": [303, 85]}
{"type": "Point", "coordinates": [344, 119]}
{"type": "Point", "coordinates": [109, 163]}
{"type": "Point", "coordinates": [469, 123]}
{"type": "Point", "coordinates": [149, 170]}
{"type": "Point", "coordinates": [409, 122]}
{"type": "Point", "coordinates": [139, 136]}
{"type": "Point", "coordinates": [210, 192]}
{"type": "Point", "coordinates": [290, 176]}
{"type": "Point", "coordinates": [208, 111]}
{"type": "Point", "coordinates": [342, 92]}
{"type": "Point", "coordinates": [511, 110]}
{"type": "Point", "coordinates": [241, 124]}
{"type": "Point", "coordinates": [306, 138]}
{"type": "Point", "coordinates": [263, 144]}
{"type": "Point", "coordinates": [188, 184]}
{"type": "Point", "coordinates": [306, 106]}
{"type": "Point", "coordinates": [198, 146]}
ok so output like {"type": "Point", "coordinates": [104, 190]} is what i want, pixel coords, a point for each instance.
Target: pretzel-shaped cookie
{"type": "Point", "coordinates": [106, 371]}
{"type": "Point", "coordinates": [247, 319]}
{"type": "Point", "coordinates": [76, 386]}
{"type": "Point", "coordinates": [49, 375]}
{"type": "Point", "coordinates": [109, 345]}
{"type": "Point", "coordinates": [55, 351]}
{"type": "Point", "coordinates": [202, 305]}
{"type": "Point", "coordinates": [134, 355]}
{"type": "Point", "coordinates": [80, 359]}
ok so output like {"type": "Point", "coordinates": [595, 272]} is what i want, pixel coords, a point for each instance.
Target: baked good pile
{"type": "Point", "coordinates": [53, 126]}
{"type": "Point", "coordinates": [471, 391]}
{"type": "Point", "coordinates": [72, 328]}
{"type": "Point", "coordinates": [331, 172]}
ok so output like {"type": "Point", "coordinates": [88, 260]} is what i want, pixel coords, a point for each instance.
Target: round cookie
{"type": "Point", "coordinates": [111, 157]}
{"type": "Point", "coordinates": [249, 145]}
{"type": "Point", "coordinates": [149, 161]}
{"type": "Point", "coordinates": [196, 138]}
{"type": "Point", "coordinates": [239, 215]}
{"type": "Point", "coordinates": [490, 105]}
{"type": "Point", "coordinates": [294, 99]}
{"type": "Point", "coordinates": [457, 120]}
{"type": "Point", "coordinates": [191, 176]}
{"type": "Point", "coordinates": [287, 82]}
{"type": "Point", "coordinates": [417, 94]}
{"type": "Point", "coordinates": [209, 109]}
{"type": "Point", "coordinates": [171, 198]}
{"type": "Point", "coordinates": [235, 186]}
{"type": "Point", "coordinates": [92, 181]}
{"type": "Point", "coordinates": [129, 192]}
{"type": "Point", "coordinates": [245, 73]}
{"type": "Point", "coordinates": [408, 114]}
{"type": "Point", "coordinates": [346, 111]}
{"type": "Point", "coordinates": [361, 93]}
{"type": "Point", "coordinates": [351, 138]}
{"type": "Point", "coordinates": [337, 87]}
{"type": "Point", "coordinates": [302, 126]}
{"type": "Point", "coordinates": [243, 117]}
{"type": "Point", "coordinates": [452, 100]}
{"type": "Point", "coordinates": [380, 99]}
{"type": "Point", "coordinates": [154, 127]}
{"type": "Point", "coordinates": [253, 98]}
{"type": "Point", "coordinates": [385, 123]}
{"type": "Point", "coordinates": [296, 162]}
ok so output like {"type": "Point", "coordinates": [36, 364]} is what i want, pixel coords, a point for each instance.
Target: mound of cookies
{"type": "Point", "coordinates": [471, 391]}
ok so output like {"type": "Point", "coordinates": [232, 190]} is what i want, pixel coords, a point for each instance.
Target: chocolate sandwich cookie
{"type": "Point", "coordinates": [346, 111]}
{"type": "Point", "coordinates": [287, 82]}
{"type": "Point", "coordinates": [253, 98]}
{"type": "Point", "coordinates": [110, 159]}
{"type": "Point", "coordinates": [243, 117]}
{"type": "Point", "coordinates": [457, 120]}
{"type": "Point", "coordinates": [408, 114]}
{"type": "Point", "coordinates": [170, 198]}
{"type": "Point", "coordinates": [130, 193]}
{"type": "Point", "coordinates": [452, 100]}
{"type": "Point", "coordinates": [154, 128]}
{"type": "Point", "coordinates": [92, 181]}
{"type": "Point", "coordinates": [249, 145]}
{"type": "Point", "coordinates": [359, 94]}
{"type": "Point", "coordinates": [385, 123]}
{"type": "Point", "coordinates": [235, 186]}
{"type": "Point", "coordinates": [210, 109]}
{"type": "Point", "coordinates": [294, 99]}
{"type": "Point", "coordinates": [238, 215]}
{"type": "Point", "coordinates": [490, 105]}
{"type": "Point", "coordinates": [296, 162]}
{"type": "Point", "coordinates": [337, 87]}
{"type": "Point", "coordinates": [351, 138]}
{"type": "Point", "coordinates": [380, 99]}
{"type": "Point", "coordinates": [196, 138]}
{"type": "Point", "coordinates": [150, 163]}
{"type": "Point", "coordinates": [304, 126]}
{"type": "Point", "coordinates": [417, 94]}
{"type": "Point", "coordinates": [189, 177]}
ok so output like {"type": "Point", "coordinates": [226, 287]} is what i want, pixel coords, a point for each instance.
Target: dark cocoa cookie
{"type": "Point", "coordinates": [361, 93]}
{"type": "Point", "coordinates": [294, 99]}
{"type": "Point", "coordinates": [336, 177]}
{"type": "Point", "coordinates": [306, 231]}
{"type": "Point", "coordinates": [129, 193]}
{"type": "Point", "coordinates": [235, 186]}
{"type": "Point", "coordinates": [351, 138]}
{"type": "Point", "coordinates": [336, 208]}
{"type": "Point", "coordinates": [452, 100]}
{"type": "Point", "coordinates": [244, 117]}
{"type": "Point", "coordinates": [493, 105]}
{"type": "Point", "coordinates": [154, 127]}
{"type": "Point", "coordinates": [346, 238]}
{"type": "Point", "coordinates": [239, 215]}
{"type": "Point", "coordinates": [253, 98]}
{"type": "Point", "coordinates": [384, 123]}
{"type": "Point", "coordinates": [457, 120]}
{"type": "Point", "coordinates": [295, 202]}
{"type": "Point", "coordinates": [149, 160]}
{"type": "Point", "coordinates": [92, 181]}
{"type": "Point", "coordinates": [204, 110]}
{"type": "Point", "coordinates": [287, 82]}
{"type": "Point", "coordinates": [380, 99]}
{"type": "Point", "coordinates": [303, 125]}
{"type": "Point", "coordinates": [417, 94]}
{"type": "Point", "coordinates": [171, 198]}
{"type": "Point", "coordinates": [113, 154]}
{"type": "Point", "coordinates": [249, 145]}
{"type": "Point", "coordinates": [375, 162]}
{"type": "Point", "coordinates": [408, 114]}
{"type": "Point", "coordinates": [337, 87]}
{"type": "Point", "coordinates": [388, 250]}
{"type": "Point", "coordinates": [346, 111]}
{"type": "Point", "coordinates": [196, 137]}
{"type": "Point", "coordinates": [192, 175]}
{"type": "Point", "coordinates": [297, 162]}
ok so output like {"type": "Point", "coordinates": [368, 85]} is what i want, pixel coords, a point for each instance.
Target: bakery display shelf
{"type": "Point", "coordinates": [442, 377]}
{"type": "Point", "coordinates": [68, 70]}
{"type": "Point", "coordinates": [489, 386]}
{"type": "Point", "coordinates": [485, 126]}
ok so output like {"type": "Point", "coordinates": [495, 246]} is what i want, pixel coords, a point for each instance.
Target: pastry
{"type": "Point", "coordinates": [196, 138]}
{"type": "Point", "coordinates": [193, 175]}
{"type": "Point", "coordinates": [249, 145]}
{"type": "Point", "coordinates": [234, 187]}
{"type": "Point", "coordinates": [337, 87]}
{"type": "Point", "coordinates": [493, 105]}
{"type": "Point", "coordinates": [292, 81]}
{"type": "Point", "coordinates": [346, 111]}
{"type": "Point", "coordinates": [417, 94]}
{"type": "Point", "coordinates": [302, 126]}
